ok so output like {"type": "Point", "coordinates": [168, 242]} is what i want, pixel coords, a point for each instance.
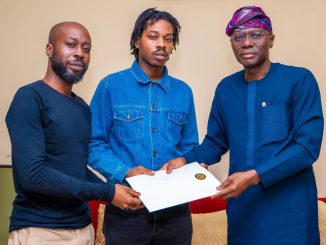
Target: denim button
{"type": "Point", "coordinates": [154, 130]}
{"type": "Point", "coordinates": [155, 154]}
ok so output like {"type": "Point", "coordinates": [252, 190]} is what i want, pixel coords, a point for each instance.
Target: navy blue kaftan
{"type": "Point", "coordinates": [274, 126]}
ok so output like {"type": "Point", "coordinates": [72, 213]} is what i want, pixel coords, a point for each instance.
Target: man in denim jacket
{"type": "Point", "coordinates": [142, 117]}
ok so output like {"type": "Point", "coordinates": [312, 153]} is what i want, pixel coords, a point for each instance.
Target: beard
{"type": "Point", "coordinates": [61, 70]}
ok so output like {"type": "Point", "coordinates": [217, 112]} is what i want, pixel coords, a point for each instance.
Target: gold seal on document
{"type": "Point", "coordinates": [200, 176]}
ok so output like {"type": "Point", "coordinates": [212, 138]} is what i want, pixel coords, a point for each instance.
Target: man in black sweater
{"type": "Point", "coordinates": [49, 128]}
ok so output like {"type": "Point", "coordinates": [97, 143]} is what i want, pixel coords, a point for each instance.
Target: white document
{"type": "Point", "coordinates": [185, 184]}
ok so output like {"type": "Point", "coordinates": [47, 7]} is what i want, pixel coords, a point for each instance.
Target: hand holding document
{"type": "Point", "coordinates": [185, 184]}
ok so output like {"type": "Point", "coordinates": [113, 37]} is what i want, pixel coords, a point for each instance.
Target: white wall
{"type": "Point", "coordinates": [202, 59]}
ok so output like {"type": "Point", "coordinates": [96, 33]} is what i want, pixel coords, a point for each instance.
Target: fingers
{"type": "Point", "coordinates": [204, 165]}
{"type": "Point", "coordinates": [226, 183]}
{"type": "Point", "coordinates": [139, 170]}
{"type": "Point", "coordinates": [226, 190]}
{"type": "Point", "coordinates": [135, 207]}
{"type": "Point", "coordinates": [133, 202]}
{"type": "Point", "coordinates": [215, 195]}
{"type": "Point", "coordinates": [175, 163]}
{"type": "Point", "coordinates": [226, 194]}
{"type": "Point", "coordinates": [237, 183]}
{"type": "Point", "coordinates": [169, 168]}
{"type": "Point", "coordinates": [133, 192]}
{"type": "Point", "coordinates": [165, 166]}
{"type": "Point", "coordinates": [142, 170]}
{"type": "Point", "coordinates": [126, 198]}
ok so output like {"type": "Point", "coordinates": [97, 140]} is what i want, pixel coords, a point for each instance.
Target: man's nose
{"type": "Point", "coordinates": [247, 42]}
{"type": "Point", "coordinates": [78, 51]}
{"type": "Point", "coordinates": [160, 42]}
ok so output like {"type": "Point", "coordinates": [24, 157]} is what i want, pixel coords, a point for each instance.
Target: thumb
{"type": "Point", "coordinates": [169, 169]}
{"type": "Point", "coordinates": [165, 166]}
{"type": "Point", "coordinates": [146, 171]}
{"type": "Point", "coordinates": [226, 183]}
{"type": "Point", "coordinates": [204, 165]}
{"type": "Point", "coordinates": [133, 192]}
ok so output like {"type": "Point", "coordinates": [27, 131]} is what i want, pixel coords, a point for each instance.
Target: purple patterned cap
{"type": "Point", "coordinates": [249, 17]}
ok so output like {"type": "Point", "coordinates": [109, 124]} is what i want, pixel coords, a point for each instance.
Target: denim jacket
{"type": "Point", "coordinates": [137, 121]}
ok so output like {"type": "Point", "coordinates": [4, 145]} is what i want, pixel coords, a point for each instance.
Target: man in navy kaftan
{"type": "Point", "coordinates": [269, 117]}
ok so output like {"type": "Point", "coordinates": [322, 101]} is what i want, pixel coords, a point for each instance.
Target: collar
{"type": "Point", "coordinates": [141, 76]}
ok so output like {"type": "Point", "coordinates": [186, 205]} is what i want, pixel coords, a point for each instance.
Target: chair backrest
{"type": "Point", "coordinates": [94, 205]}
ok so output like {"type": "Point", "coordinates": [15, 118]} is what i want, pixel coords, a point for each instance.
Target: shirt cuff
{"type": "Point", "coordinates": [190, 157]}
{"type": "Point", "coordinates": [121, 173]}
{"type": "Point", "coordinates": [111, 192]}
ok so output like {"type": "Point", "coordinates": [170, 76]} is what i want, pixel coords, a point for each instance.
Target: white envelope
{"type": "Point", "coordinates": [185, 184]}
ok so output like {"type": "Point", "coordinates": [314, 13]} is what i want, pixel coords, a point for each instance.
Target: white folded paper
{"type": "Point", "coordinates": [185, 184]}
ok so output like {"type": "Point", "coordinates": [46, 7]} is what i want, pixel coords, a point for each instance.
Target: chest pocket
{"type": "Point", "coordinates": [275, 122]}
{"type": "Point", "coordinates": [128, 123]}
{"type": "Point", "coordinates": [176, 121]}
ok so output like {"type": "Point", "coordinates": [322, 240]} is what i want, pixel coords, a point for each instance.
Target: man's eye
{"type": "Point", "coordinates": [152, 37]}
{"type": "Point", "coordinates": [239, 37]}
{"type": "Point", "coordinates": [255, 35]}
{"type": "Point", "coordinates": [87, 49]}
{"type": "Point", "coordinates": [70, 45]}
{"type": "Point", "coordinates": [169, 39]}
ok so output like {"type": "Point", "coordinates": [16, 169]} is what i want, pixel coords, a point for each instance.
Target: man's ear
{"type": "Point", "coordinates": [136, 44]}
{"type": "Point", "coordinates": [49, 50]}
{"type": "Point", "coordinates": [271, 41]}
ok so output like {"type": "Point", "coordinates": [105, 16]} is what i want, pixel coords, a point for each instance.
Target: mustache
{"type": "Point", "coordinates": [161, 51]}
{"type": "Point", "coordinates": [77, 62]}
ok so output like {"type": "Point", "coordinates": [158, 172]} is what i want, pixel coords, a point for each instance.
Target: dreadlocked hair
{"type": "Point", "coordinates": [149, 17]}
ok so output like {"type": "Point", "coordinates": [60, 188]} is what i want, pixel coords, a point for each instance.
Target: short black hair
{"type": "Point", "coordinates": [149, 17]}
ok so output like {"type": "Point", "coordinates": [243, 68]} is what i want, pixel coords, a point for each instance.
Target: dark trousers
{"type": "Point", "coordinates": [171, 226]}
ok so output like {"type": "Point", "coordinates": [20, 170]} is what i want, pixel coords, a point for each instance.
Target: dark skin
{"type": "Point", "coordinates": [154, 48]}
{"type": "Point", "coordinates": [254, 56]}
{"type": "Point", "coordinates": [72, 45]}
{"type": "Point", "coordinates": [71, 42]}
